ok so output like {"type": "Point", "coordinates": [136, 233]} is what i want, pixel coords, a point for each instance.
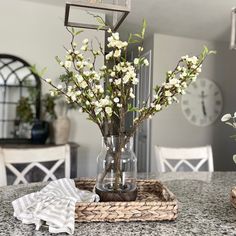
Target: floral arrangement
{"type": "Point", "coordinates": [230, 120]}
{"type": "Point", "coordinates": [106, 94]}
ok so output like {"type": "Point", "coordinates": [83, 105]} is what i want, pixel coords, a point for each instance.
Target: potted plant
{"type": "Point", "coordinates": [24, 117]}
{"type": "Point", "coordinates": [230, 120]}
{"type": "Point", "coordinates": [106, 95]}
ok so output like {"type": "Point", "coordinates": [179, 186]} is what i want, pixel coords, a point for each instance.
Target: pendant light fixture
{"type": "Point", "coordinates": [233, 30]}
{"type": "Point", "coordinates": [111, 12]}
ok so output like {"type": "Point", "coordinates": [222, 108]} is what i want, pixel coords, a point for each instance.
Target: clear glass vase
{"type": "Point", "coordinates": [116, 170]}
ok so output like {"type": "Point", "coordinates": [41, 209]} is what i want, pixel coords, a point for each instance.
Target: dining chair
{"type": "Point", "coordinates": [31, 158]}
{"type": "Point", "coordinates": [184, 159]}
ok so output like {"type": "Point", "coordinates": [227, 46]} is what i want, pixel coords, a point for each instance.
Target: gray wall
{"type": "Point", "coordinates": [169, 127]}
{"type": "Point", "coordinates": [35, 31]}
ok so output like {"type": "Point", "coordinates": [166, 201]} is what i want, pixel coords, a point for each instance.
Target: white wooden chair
{"type": "Point", "coordinates": [33, 157]}
{"type": "Point", "coordinates": [184, 159]}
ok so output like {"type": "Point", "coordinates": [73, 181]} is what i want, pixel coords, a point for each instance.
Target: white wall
{"type": "Point", "coordinates": [34, 31]}
{"type": "Point", "coordinates": [169, 127]}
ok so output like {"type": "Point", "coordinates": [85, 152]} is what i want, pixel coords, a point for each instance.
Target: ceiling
{"type": "Point", "coordinates": [200, 19]}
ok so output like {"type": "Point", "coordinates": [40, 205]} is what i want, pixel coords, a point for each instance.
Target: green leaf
{"type": "Point", "coordinates": [144, 28]}
{"type": "Point", "coordinates": [78, 32]}
{"type": "Point", "coordinates": [58, 59]}
{"type": "Point", "coordinates": [37, 72]}
{"type": "Point", "coordinates": [137, 35]}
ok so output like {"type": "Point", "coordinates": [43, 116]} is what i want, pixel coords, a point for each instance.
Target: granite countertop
{"type": "Point", "coordinates": [204, 209]}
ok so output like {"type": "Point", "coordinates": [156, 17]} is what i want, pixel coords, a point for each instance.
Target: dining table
{"type": "Point", "coordinates": [204, 208]}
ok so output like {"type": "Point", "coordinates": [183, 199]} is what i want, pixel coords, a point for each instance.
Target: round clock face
{"type": "Point", "coordinates": [202, 103]}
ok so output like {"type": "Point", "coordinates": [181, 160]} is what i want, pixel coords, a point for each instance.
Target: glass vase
{"type": "Point", "coordinates": [116, 170]}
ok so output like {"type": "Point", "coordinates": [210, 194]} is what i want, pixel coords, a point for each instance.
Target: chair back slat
{"type": "Point", "coordinates": [35, 157]}
{"type": "Point", "coordinates": [175, 158]}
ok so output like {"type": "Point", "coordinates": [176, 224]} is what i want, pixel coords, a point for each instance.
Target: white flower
{"type": "Point", "coordinates": [98, 110]}
{"type": "Point", "coordinates": [131, 95]}
{"type": "Point", "coordinates": [108, 110]}
{"type": "Point", "coordinates": [79, 64]}
{"type": "Point", "coordinates": [85, 41]}
{"type": "Point", "coordinates": [126, 79]}
{"type": "Point", "coordinates": [158, 107]}
{"type": "Point", "coordinates": [109, 55]}
{"type": "Point", "coordinates": [119, 105]}
{"type": "Point", "coordinates": [84, 48]}
{"type": "Point", "coordinates": [59, 86]}
{"type": "Point", "coordinates": [125, 44]}
{"type": "Point", "coordinates": [103, 67]}
{"type": "Point", "coordinates": [168, 93]}
{"type": "Point", "coordinates": [116, 99]}
{"type": "Point", "coordinates": [226, 117]}
{"type": "Point", "coordinates": [117, 53]}
{"type": "Point", "coordinates": [83, 84]}
{"type": "Point", "coordinates": [80, 79]}
{"type": "Point", "coordinates": [146, 63]}
{"type": "Point", "coordinates": [184, 57]}
{"type": "Point", "coordinates": [68, 64]}
{"type": "Point", "coordinates": [199, 70]}
{"type": "Point", "coordinates": [113, 74]}
{"type": "Point", "coordinates": [135, 81]}
{"type": "Point", "coordinates": [118, 81]}
{"type": "Point", "coordinates": [168, 85]}
{"type": "Point", "coordinates": [87, 103]}
{"type": "Point", "coordinates": [116, 36]}
{"type": "Point", "coordinates": [52, 93]}
{"type": "Point", "coordinates": [136, 61]}
{"type": "Point", "coordinates": [174, 81]}
{"type": "Point", "coordinates": [48, 80]}
{"type": "Point", "coordinates": [86, 73]}
{"type": "Point", "coordinates": [109, 31]}
{"type": "Point", "coordinates": [140, 49]}
{"type": "Point", "coordinates": [61, 63]}
{"type": "Point", "coordinates": [193, 60]}
{"type": "Point", "coordinates": [184, 84]}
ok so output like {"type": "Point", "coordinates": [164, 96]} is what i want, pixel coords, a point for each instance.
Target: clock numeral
{"type": "Point", "coordinates": [194, 85]}
{"type": "Point", "coordinates": [187, 111]}
{"type": "Point", "coordinates": [203, 83]}
{"type": "Point", "coordinates": [193, 118]}
{"type": "Point", "coordinates": [185, 102]}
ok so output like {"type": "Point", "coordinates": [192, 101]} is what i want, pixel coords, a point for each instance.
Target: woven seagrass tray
{"type": "Point", "coordinates": [233, 196]}
{"type": "Point", "coordinates": [154, 203]}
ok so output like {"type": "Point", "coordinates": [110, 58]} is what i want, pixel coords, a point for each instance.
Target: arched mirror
{"type": "Point", "coordinates": [17, 81]}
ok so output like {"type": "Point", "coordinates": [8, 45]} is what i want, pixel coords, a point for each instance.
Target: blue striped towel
{"type": "Point", "coordinates": [53, 205]}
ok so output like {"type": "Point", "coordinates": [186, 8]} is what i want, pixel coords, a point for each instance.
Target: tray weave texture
{"type": "Point", "coordinates": [154, 203]}
{"type": "Point", "coordinates": [233, 197]}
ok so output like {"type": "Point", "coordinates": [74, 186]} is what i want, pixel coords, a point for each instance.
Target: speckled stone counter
{"type": "Point", "coordinates": [204, 209]}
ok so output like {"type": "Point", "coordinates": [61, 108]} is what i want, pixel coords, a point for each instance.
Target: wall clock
{"type": "Point", "coordinates": [202, 103]}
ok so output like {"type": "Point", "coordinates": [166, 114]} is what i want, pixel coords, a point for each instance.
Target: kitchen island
{"type": "Point", "coordinates": [204, 209]}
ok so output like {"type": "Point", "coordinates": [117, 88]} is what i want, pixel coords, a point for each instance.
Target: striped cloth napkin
{"type": "Point", "coordinates": [53, 205]}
